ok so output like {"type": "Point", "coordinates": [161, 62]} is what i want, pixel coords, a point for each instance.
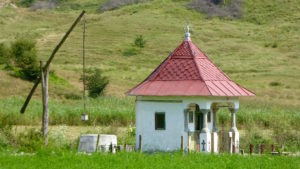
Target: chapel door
{"type": "Point", "coordinates": [199, 121]}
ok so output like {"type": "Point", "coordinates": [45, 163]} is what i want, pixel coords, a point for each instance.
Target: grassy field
{"type": "Point", "coordinates": [259, 51]}
{"type": "Point", "coordinates": [44, 159]}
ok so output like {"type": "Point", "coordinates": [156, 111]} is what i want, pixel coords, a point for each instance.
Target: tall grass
{"type": "Point", "coordinates": [101, 111]}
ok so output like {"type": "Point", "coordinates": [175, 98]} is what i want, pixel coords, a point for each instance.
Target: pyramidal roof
{"type": "Point", "coordinates": [187, 71]}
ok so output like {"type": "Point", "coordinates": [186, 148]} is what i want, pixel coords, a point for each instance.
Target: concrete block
{"type": "Point", "coordinates": [88, 143]}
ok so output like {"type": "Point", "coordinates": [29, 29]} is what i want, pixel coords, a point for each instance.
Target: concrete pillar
{"type": "Point", "coordinates": [214, 134]}
{"type": "Point", "coordinates": [234, 131]}
{"type": "Point", "coordinates": [205, 135]}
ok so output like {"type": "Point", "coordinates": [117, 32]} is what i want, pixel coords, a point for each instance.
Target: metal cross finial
{"type": "Point", "coordinates": [187, 26]}
{"type": "Point", "coordinates": [187, 33]}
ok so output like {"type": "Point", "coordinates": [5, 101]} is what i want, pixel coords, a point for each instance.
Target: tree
{"type": "Point", "coordinates": [96, 83]}
{"type": "Point", "coordinates": [24, 56]}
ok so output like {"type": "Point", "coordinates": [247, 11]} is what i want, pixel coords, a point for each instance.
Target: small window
{"type": "Point", "coordinates": [160, 121]}
{"type": "Point", "coordinates": [209, 117]}
{"type": "Point", "coordinates": [191, 117]}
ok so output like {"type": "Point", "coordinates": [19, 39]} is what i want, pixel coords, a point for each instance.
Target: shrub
{"type": "Point", "coordinates": [30, 141]}
{"type": "Point", "coordinates": [139, 41]}
{"type": "Point", "coordinates": [219, 8]}
{"type": "Point", "coordinates": [25, 3]}
{"type": "Point", "coordinates": [274, 84]}
{"type": "Point", "coordinates": [115, 4]}
{"type": "Point", "coordinates": [96, 83]}
{"type": "Point", "coordinates": [24, 55]}
{"type": "Point", "coordinates": [130, 52]}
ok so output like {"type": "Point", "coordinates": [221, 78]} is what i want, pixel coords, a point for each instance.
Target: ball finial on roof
{"type": "Point", "coordinates": [187, 36]}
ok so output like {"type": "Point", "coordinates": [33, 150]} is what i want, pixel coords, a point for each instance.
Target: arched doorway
{"type": "Point", "coordinates": [198, 119]}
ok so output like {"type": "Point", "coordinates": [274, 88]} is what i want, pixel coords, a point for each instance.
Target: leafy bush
{"type": "Point", "coordinates": [219, 8]}
{"type": "Point", "coordinates": [139, 41]}
{"type": "Point", "coordinates": [96, 83]}
{"type": "Point", "coordinates": [115, 4]}
{"type": "Point", "coordinates": [24, 55]}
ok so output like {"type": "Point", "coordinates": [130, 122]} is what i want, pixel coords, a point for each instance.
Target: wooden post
{"type": "Point", "coordinates": [140, 143]}
{"type": "Point", "coordinates": [251, 149]}
{"type": "Point", "coordinates": [44, 80]}
{"type": "Point", "coordinates": [261, 149]}
{"type": "Point", "coordinates": [272, 148]}
{"type": "Point", "coordinates": [182, 144]}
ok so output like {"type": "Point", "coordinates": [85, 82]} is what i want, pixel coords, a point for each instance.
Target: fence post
{"type": "Point", "coordinates": [182, 144]}
{"type": "Point", "coordinates": [251, 149]}
{"type": "Point", "coordinates": [140, 143]}
{"type": "Point", "coordinates": [261, 149]}
{"type": "Point", "coordinates": [272, 148]}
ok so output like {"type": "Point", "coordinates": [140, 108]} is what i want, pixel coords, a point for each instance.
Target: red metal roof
{"type": "Point", "coordinates": [188, 72]}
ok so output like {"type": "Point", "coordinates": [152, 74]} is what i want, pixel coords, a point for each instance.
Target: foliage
{"type": "Point", "coordinates": [24, 55]}
{"type": "Point", "coordinates": [140, 41]}
{"type": "Point", "coordinates": [220, 8]}
{"type": "Point", "coordinates": [131, 52]}
{"type": "Point", "coordinates": [30, 141]}
{"type": "Point", "coordinates": [4, 54]}
{"type": "Point", "coordinates": [96, 83]}
{"type": "Point", "coordinates": [115, 4]}
{"type": "Point", "coordinates": [25, 3]}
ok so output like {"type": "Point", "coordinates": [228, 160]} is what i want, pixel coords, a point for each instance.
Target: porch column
{"type": "Point", "coordinates": [214, 134]}
{"type": "Point", "coordinates": [205, 135]}
{"type": "Point", "coordinates": [234, 131]}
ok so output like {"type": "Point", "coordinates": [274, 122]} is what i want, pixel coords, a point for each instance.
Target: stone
{"type": "Point", "coordinates": [129, 148]}
{"type": "Point", "coordinates": [88, 143]}
{"type": "Point", "coordinates": [205, 142]}
{"type": "Point", "coordinates": [107, 143]}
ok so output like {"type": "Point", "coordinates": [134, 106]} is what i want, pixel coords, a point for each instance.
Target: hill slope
{"type": "Point", "coordinates": [242, 48]}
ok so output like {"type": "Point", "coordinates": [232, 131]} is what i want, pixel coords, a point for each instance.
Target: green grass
{"type": "Point", "coordinates": [44, 159]}
{"type": "Point", "coordinates": [259, 51]}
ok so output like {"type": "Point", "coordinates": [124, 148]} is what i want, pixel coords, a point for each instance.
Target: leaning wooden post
{"type": "Point", "coordinates": [44, 80]}
{"type": "Point", "coordinates": [140, 143]}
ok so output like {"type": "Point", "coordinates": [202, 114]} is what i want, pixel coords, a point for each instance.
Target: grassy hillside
{"type": "Point", "coordinates": [259, 51]}
{"type": "Point", "coordinates": [243, 48]}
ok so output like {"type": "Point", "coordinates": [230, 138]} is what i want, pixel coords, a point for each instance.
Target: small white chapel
{"type": "Point", "coordinates": [177, 104]}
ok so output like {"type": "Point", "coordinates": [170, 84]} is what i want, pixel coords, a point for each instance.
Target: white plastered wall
{"type": "Point", "coordinates": [170, 138]}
